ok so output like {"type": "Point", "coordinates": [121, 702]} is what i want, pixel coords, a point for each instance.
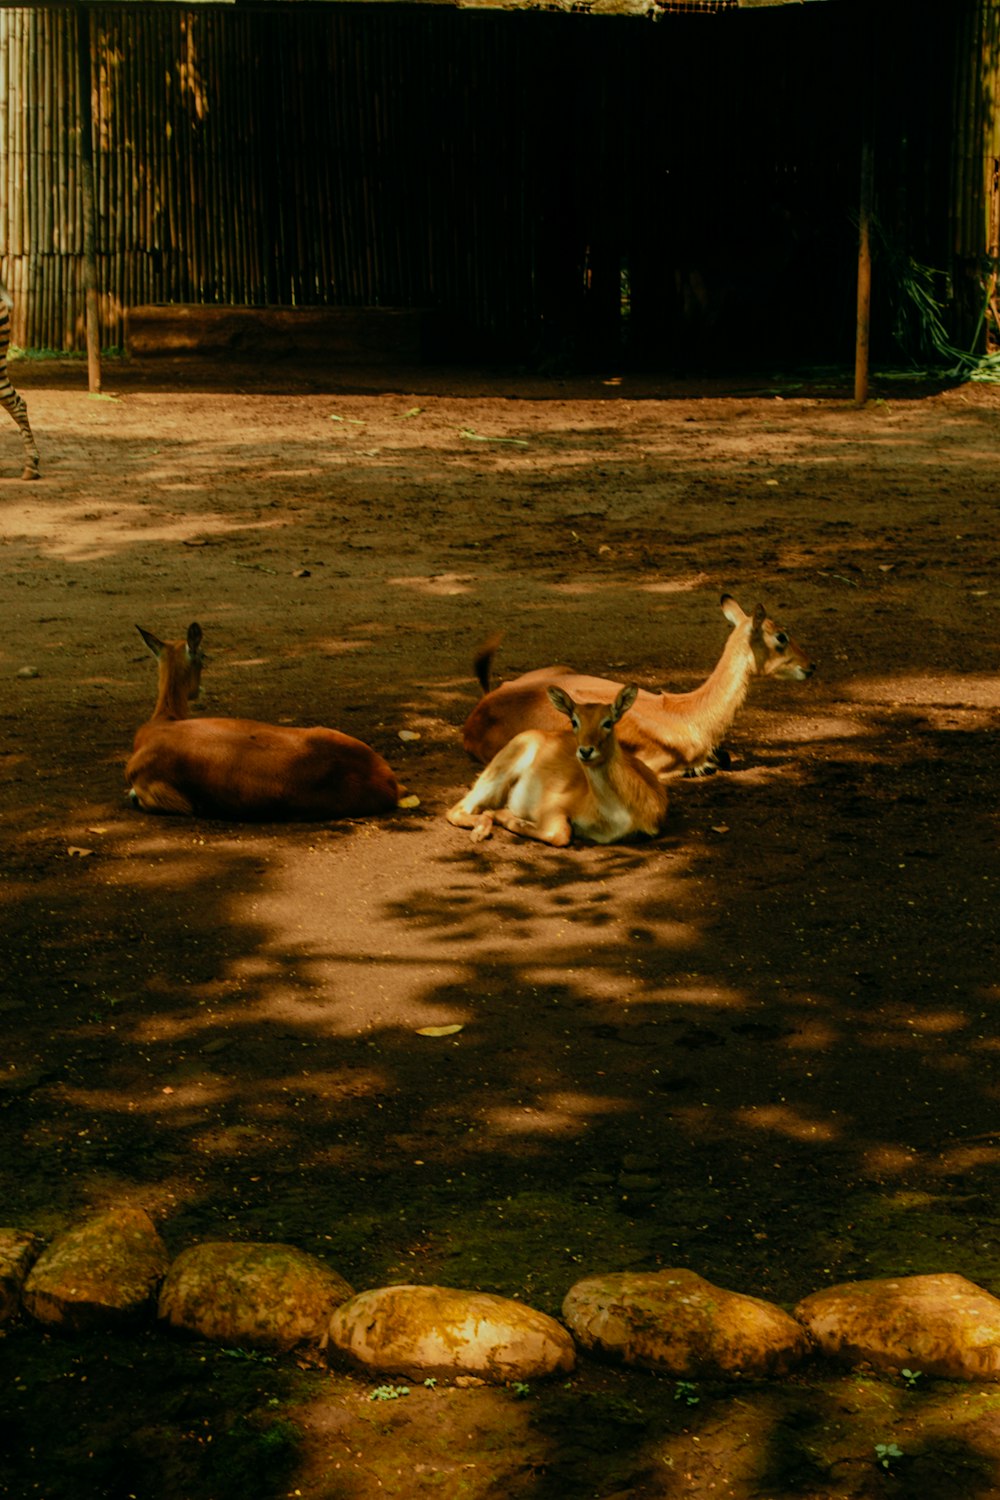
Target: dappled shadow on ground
{"type": "Point", "coordinates": [759, 1048]}
{"type": "Point", "coordinates": [221, 1002]}
{"type": "Point", "coordinates": [770, 1065]}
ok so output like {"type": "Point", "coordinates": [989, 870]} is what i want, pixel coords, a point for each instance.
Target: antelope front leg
{"type": "Point", "coordinates": [558, 831]}
{"type": "Point", "coordinates": [481, 823]}
{"type": "Point", "coordinates": [159, 797]}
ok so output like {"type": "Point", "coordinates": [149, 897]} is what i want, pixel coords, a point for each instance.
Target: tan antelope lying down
{"type": "Point", "coordinates": [668, 731]}
{"type": "Point", "coordinates": [550, 784]}
{"type": "Point", "coordinates": [241, 769]}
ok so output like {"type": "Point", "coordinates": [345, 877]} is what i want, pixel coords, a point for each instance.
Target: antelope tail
{"type": "Point", "coordinates": [483, 660]}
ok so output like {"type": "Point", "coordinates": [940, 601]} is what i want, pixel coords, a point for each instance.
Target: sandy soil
{"type": "Point", "coordinates": [762, 1047]}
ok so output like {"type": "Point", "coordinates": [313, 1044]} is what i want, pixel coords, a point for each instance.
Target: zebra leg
{"type": "Point", "coordinates": [14, 404]}
{"type": "Point", "coordinates": [9, 398]}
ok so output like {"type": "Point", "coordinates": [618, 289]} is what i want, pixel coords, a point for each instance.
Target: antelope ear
{"type": "Point", "coordinates": [759, 616]}
{"type": "Point", "coordinates": [562, 701]}
{"type": "Point", "coordinates": [731, 610]}
{"type": "Point", "coordinates": [625, 699]}
{"type": "Point", "coordinates": [193, 639]}
{"type": "Point", "coordinates": [152, 641]}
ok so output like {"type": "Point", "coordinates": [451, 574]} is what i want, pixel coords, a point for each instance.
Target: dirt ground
{"type": "Point", "coordinates": [761, 1048]}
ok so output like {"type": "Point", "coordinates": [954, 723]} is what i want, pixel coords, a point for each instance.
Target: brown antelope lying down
{"type": "Point", "coordinates": [240, 769]}
{"type": "Point", "coordinates": [549, 784]}
{"type": "Point", "coordinates": [668, 731]}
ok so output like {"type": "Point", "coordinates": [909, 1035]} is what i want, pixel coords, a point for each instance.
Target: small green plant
{"type": "Point", "coordinates": [105, 1005]}
{"type": "Point", "coordinates": [686, 1391]}
{"type": "Point", "coordinates": [430, 1382]}
{"type": "Point", "coordinates": [886, 1454]}
{"type": "Point", "coordinates": [389, 1392]}
{"type": "Point", "coordinates": [912, 1378]}
{"type": "Point", "coordinates": [521, 1389]}
{"type": "Point", "coordinates": [253, 1356]}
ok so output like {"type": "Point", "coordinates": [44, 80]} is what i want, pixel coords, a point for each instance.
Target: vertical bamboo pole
{"type": "Point", "coordinates": [20, 94]}
{"type": "Point", "coordinates": [59, 142]}
{"type": "Point", "coordinates": [87, 185]}
{"type": "Point", "coordinates": [41, 161]}
{"type": "Point", "coordinates": [34, 177]}
{"type": "Point", "coordinates": [861, 346]}
{"type": "Point", "coordinates": [4, 129]}
{"type": "Point", "coordinates": [236, 85]}
{"type": "Point", "coordinates": [150, 108]}
{"type": "Point", "coordinates": [990, 63]}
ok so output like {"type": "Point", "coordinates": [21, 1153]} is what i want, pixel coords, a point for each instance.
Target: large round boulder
{"type": "Point", "coordinates": [940, 1325]}
{"type": "Point", "coordinates": [102, 1272]}
{"type": "Point", "coordinates": [678, 1322]}
{"type": "Point", "coordinates": [266, 1296]}
{"type": "Point", "coordinates": [425, 1331]}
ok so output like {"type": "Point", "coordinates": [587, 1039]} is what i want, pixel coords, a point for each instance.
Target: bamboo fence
{"type": "Point", "coordinates": [975, 188]}
{"type": "Point", "coordinates": [533, 178]}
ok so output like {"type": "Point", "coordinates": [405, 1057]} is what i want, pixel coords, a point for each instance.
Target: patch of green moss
{"type": "Point", "coordinates": [535, 1245]}
{"type": "Point", "coordinates": [907, 1233]}
{"type": "Point", "coordinates": [255, 1456]}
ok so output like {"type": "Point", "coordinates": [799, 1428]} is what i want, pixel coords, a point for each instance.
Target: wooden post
{"type": "Point", "coordinates": [861, 346]}
{"type": "Point", "coordinates": [93, 322]}
{"type": "Point", "coordinates": [990, 64]}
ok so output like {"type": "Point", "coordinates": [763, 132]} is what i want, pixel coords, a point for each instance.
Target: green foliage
{"type": "Point", "coordinates": [16, 352]}
{"type": "Point", "coordinates": [918, 294]}
{"type": "Point", "coordinates": [886, 1454]}
{"type": "Point", "coordinates": [254, 1356]}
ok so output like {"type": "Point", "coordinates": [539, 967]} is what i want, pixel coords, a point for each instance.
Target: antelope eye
{"type": "Point", "coordinates": [781, 639]}
{"type": "Point", "coordinates": [606, 723]}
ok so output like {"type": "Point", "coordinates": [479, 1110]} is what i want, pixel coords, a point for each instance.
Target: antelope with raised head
{"type": "Point", "coordinates": [668, 731]}
{"type": "Point", "coordinates": [239, 768]}
{"type": "Point", "coordinates": [550, 784]}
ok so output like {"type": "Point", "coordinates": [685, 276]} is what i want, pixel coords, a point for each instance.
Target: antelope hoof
{"type": "Point", "coordinates": [483, 828]}
{"type": "Point", "coordinates": [30, 473]}
{"type": "Point", "coordinates": [715, 760]}
{"type": "Point", "coordinates": [704, 768]}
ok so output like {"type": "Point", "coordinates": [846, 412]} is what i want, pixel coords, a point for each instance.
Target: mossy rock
{"type": "Point", "coordinates": [678, 1322]}
{"type": "Point", "coordinates": [18, 1252]}
{"type": "Point", "coordinates": [265, 1296]}
{"type": "Point", "coordinates": [103, 1272]}
{"type": "Point", "coordinates": [443, 1332]}
{"type": "Point", "coordinates": [940, 1325]}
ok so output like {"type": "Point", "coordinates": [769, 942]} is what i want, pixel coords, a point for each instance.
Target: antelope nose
{"type": "Point", "coordinates": [586, 752]}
